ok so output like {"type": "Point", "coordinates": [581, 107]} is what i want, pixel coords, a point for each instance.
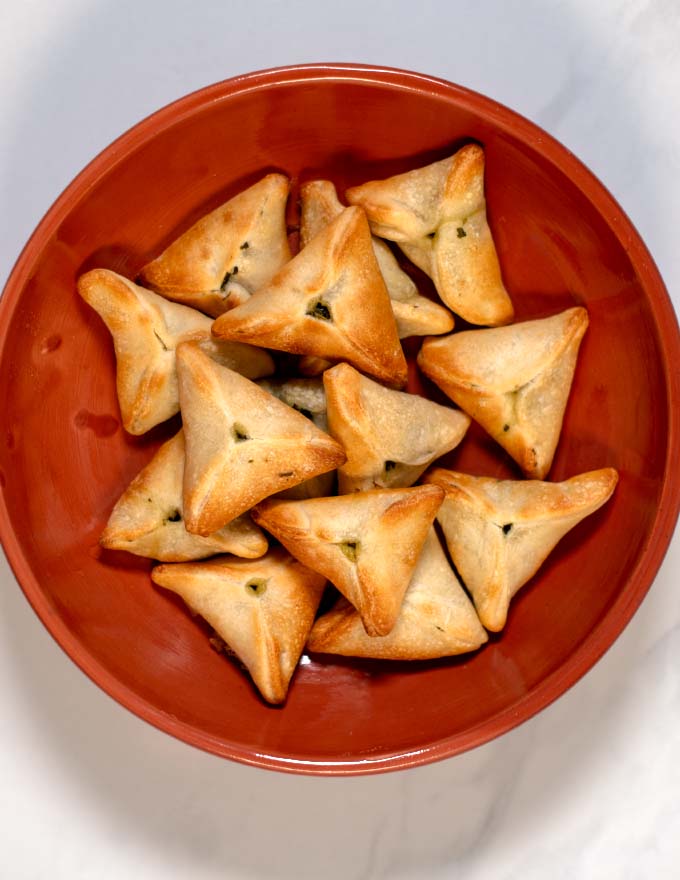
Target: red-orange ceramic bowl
{"type": "Point", "coordinates": [64, 457]}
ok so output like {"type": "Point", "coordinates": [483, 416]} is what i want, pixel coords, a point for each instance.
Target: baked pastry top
{"type": "Point", "coordinates": [436, 619]}
{"type": "Point", "coordinates": [367, 544]}
{"type": "Point", "coordinates": [390, 437]}
{"type": "Point", "coordinates": [242, 443]}
{"type": "Point", "coordinates": [263, 609]}
{"type": "Point", "coordinates": [437, 216]}
{"type": "Point", "coordinates": [227, 254]}
{"type": "Point", "coordinates": [146, 329]}
{"type": "Point", "coordinates": [148, 518]}
{"type": "Point", "coordinates": [330, 301]}
{"type": "Point", "coordinates": [514, 381]}
{"type": "Point", "coordinates": [499, 532]}
{"type": "Point", "coordinates": [415, 314]}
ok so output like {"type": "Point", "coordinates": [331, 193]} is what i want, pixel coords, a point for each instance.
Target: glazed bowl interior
{"type": "Point", "coordinates": [64, 457]}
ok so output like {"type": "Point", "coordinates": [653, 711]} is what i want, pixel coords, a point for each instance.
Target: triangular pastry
{"type": "Point", "coordinates": [242, 444]}
{"type": "Point", "coordinates": [436, 619]}
{"type": "Point", "coordinates": [227, 254]}
{"type": "Point", "coordinates": [415, 315]}
{"type": "Point", "coordinates": [307, 396]}
{"type": "Point", "coordinates": [367, 544]}
{"type": "Point", "coordinates": [263, 609]}
{"type": "Point", "coordinates": [148, 518]}
{"type": "Point", "coordinates": [437, 216]}
{"type": "Point", "coordinates": [500, 531]}
{"type": "Point", "coordinates": [329, 301]}
{"type": "Point", "coordinates": [514, 381]}
{"type": "Point", "coordinates": [390, 437]}
{"type": "Point", "coordinates": [146, 329]}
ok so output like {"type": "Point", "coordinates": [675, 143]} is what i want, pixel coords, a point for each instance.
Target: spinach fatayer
{"type": "Point", "coordinates": [294, 472]}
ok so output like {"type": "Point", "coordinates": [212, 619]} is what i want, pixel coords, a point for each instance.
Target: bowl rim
{"type": "Point", "coordinates": [640, 579]}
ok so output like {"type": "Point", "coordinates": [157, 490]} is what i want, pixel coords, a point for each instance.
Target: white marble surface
{"type": "Point", "coordinates": [588, 789]}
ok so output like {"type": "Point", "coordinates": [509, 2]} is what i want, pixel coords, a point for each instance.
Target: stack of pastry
{"type": "Point", "coordinates": [301, 461]}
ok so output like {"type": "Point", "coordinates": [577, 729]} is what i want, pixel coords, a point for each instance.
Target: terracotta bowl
{"type": "Point", "coordinates": [64, 457]}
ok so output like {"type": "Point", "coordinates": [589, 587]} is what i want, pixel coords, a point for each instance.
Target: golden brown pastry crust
{"type": "Point", "coordinates": [307, 396]}
{"type": "Point", "coordinates": [263, 609]}
{"type": "Point", "coordinates": [242, 443]}
{"type": "Point", "coordinates": [148, 520]}
{"type": "Point", "coordinates": [499, 532]}
{"type": "Point", "coordinates": [390, 437]}
{"type": "Point", "coordinates": [436, 619]}
{"type": "Point", "coordinates": [367, 543]}
{"type": "Point", "coordinates": [329, 301]}
{"type": "Point", "coordinates": [311, 366]}
{"type": "Point", "coordinates": [227, 254]}
{"type": "Point", "coordinates": [437, 215]}
{"type": "Point", "coordinates": [515, 381]}
{"type": "Point", "coordinates": [415, 315]}
{"type": "Point", "coordinates": [146, 329]}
